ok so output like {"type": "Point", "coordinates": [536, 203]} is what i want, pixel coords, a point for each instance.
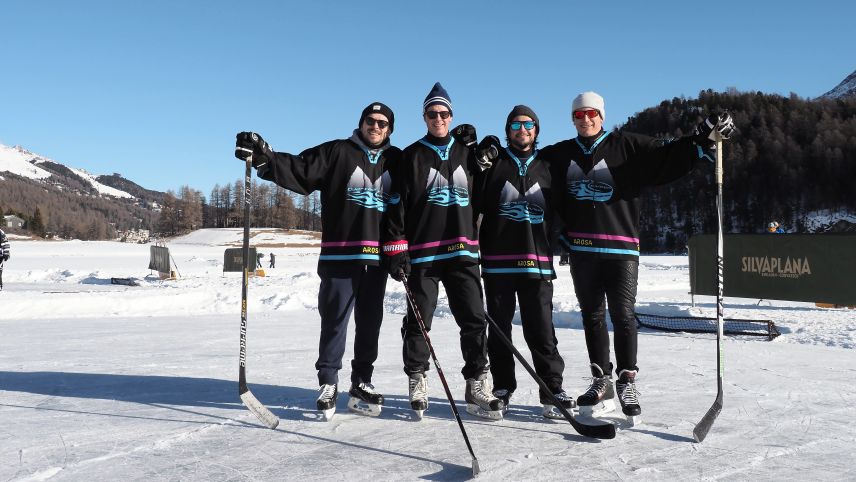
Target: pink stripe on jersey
{"type": "Point", "coordinates": [341, 244]}
{"type": "Point", "coordinates": [500, 257]}
{"type": "Point", "coordinates": [608, 237]}
{"type": "Point", "coordinates": [435, 244]}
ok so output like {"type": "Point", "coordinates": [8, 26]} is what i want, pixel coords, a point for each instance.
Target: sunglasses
{"type": "Point", "coordinates": [371, 122]}
{"type": "Point", "coordinates": [528, 125]}
{"type": "Point", "coordinates": [433, 114]}
{"type": "Point", "coordinates": [580, 114]}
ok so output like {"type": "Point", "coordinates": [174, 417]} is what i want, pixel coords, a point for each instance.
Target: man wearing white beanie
{"type": "Point", "coordinates": [598, 177]}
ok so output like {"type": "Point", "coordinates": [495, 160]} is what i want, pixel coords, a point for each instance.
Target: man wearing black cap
{"type": "Point", "coordinates": [599, 178]}
{"type": "Point", "coordinates": [430, 238]}
{"type": "Point", "coordinates": [514, 198]}
{"type": "Point", "coordinates": [353, 178]}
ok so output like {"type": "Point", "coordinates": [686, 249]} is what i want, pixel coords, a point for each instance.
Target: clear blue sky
{"type": "Point", "coordinates": [156, 90]}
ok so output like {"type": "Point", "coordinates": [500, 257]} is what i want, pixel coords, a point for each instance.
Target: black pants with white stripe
{"type": "Point", "coordinates": [599, 283]}
{"type": "Point", "coordinates": [463, 288]}
{"type": "Point", "coordinates": [535, 297]}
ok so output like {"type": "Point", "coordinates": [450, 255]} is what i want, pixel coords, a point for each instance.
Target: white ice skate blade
{"type": "Point", "coordinates": [363, 408]}
{"type": "Point", "coordinates": [551, 412]}
{"type": "Point", "coordinates": [328, 414]}
{"type": "Point", "coordinates": [598, 409]}
{"type": "Point", "coordinates": [418, 414]}
{"type": "Point", "coordinates": [474, 409]}
{"type": "Point", "coordinates": [634, 420]}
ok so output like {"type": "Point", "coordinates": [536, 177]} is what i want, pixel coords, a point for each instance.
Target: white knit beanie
{"type": "Point", "coordinates": [591, 100]}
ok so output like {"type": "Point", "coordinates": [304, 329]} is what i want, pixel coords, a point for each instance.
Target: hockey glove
{"type": "Point", "coordinates": [396, 260]}
{"type": "Point", "coordinates": [487, 151]}
{"type": "Point", "coordinates": [247, 143]}
{"type": "Point", "coordinates": [705, 132]}
{"type": "Point", "coordinates": [466, 134]}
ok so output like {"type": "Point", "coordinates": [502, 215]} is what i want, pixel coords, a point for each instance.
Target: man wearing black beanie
{"type": "Point", "coordinates": [353, 178]}
{"type": "Point", "coordinates": [514, 198]}
{"type": "Point", "coordinates": [430, 239]}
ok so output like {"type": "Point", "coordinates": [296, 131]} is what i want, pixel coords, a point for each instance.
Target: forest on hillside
{"type": "Point", "coordinates": [790, 157]}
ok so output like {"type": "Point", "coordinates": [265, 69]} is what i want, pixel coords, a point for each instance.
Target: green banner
{"type": "Point", "coordinates": [793, 267]}
{"type": "Point", "coordinates": [233, 260]}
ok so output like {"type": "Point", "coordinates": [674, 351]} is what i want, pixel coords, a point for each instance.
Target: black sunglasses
{"type": "Point", "coordinates": [370, 121]}
{"type": "Point", "coordinates": [432, 114]}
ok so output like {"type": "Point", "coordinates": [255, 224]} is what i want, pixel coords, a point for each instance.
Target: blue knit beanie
{"type": "Point", "coordinates": [437, 96]}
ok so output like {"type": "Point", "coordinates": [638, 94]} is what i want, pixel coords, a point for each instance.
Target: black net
{"type": "Point", "coordinates": [692, 324]}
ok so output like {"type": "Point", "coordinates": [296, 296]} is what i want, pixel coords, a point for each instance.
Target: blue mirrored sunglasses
{"type": "Point", "coordinates": [528, 125]}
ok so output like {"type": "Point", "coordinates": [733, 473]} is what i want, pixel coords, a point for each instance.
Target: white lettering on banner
{"type": "Point", "coordinates": [775, 267]}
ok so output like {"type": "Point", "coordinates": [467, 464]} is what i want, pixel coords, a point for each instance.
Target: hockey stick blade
{"type": "Point", "coordinates": [260, 411]}
{"type": "Point", "coordinates": [476, 468]}
{"type": "Point", "coordinates": [601, 431]}
{"type": "Point", "coordinates": [703, 426]}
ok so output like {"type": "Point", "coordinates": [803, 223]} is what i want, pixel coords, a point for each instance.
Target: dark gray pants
{"type": "Point", "coordinates": [346, 289]}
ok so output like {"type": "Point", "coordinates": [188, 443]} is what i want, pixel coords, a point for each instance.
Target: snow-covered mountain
{"type": "Point", "coordinates": [847, 88]}
{"type": "Point", "coordinates": [18, 160]}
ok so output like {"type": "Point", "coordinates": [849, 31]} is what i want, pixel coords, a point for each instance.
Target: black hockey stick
{"type": "Point", "coordinates": [424, 330]}
{"type": "Point", "coordinates": [602, 431]}
{"type": "Point", "coordinates": [701, 428]}
{"type": "Point", "coordinates": [250, 401]}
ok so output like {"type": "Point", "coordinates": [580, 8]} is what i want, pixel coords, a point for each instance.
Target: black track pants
{"type": "Point", "coordinates": [599, 283]}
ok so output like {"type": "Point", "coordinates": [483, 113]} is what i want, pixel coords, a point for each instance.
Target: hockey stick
{"type": "Point", "coordinates": [250, 401]}
{"type": "Point", "coordinates": [602, 431]}
{"type": "Point", "coordinates": [424, 330]}
{"type": "Point", "coordinates": [701, 428]}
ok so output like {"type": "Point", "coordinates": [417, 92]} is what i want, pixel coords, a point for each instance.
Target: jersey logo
{"type": "Point", "coordinates": [597, 185]}
{"type": "Point", "coordinates": [442, 193]}
{"type": "Point", "coordinates": [528, 208]}
{"type": "Point", "coordinates": [372, 195]}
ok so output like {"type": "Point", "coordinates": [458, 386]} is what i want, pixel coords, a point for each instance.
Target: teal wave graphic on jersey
{"type": "Point", "coordinates": [443, 193]}
{"type": "Point", "coordinates": [526, 208]}
{"type": "Point", "coordinates": [371, 195]}
{"type": "Point", "coordinates": [597, 185]}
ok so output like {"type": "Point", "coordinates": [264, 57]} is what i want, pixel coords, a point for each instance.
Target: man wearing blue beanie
{"type": "Point", "coordinates": [430, 239]}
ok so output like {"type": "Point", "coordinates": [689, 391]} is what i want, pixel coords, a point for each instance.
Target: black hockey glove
{"type": "Point", "coordinates": [465, 133]}
{"type": "Point", "coordinates": [705, 132]}
{"type": "Point", "coordinates": [396, 260]}
{"type": "Point", "coordinates": [487, 151]}
{"type": "Point", "coordinates": [247, 143]}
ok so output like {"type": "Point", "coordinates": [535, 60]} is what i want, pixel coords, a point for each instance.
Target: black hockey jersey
{"type": "Point", "coordinates": [514, 199]}
{"type": "Point", "coordinates": [597, 188]}
{"type": "Point", "coordinates": [355, 187]}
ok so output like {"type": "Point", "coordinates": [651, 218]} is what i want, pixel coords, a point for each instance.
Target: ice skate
{"type": "Point", "coordinates": [365, 400]}
{"type": "Point", "coordinates": [504, 395]}
{"type": "Point", "coordinates": [326, 402]}
{"type": "Point", "coordinates": [628, 396]}
{"type": "Point", "coordinates": [480, 399]}
{"type": "Point", "coordinates": [551, 411]}
{"type": "Point", "coordinates": [418, 389]}
{"type": "Point", "coordinates": [599, 399]}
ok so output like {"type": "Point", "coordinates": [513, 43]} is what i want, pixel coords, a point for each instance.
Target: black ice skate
{"type": "Point", "coordinates": [599, 398]}
{"type": "Point", "coordinates": [629, 396]}
{"type": "Point", "coordinates": [550, 410]}
{"type": "Point", "coordinates": [480, 399]}
{"type": "Point", "coordinates": [504, 395]}
{"type": "Point", "coordinates": [326, 402]}
{"type": "Point", "coordinates": [418, 389]}
{"type": "Point", "coordinates": [365, 400]}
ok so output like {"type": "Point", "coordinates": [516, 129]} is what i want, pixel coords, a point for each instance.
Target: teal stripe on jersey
{"type": "Point", "coordinates": [426, 259]}
{"type": "Point", "coordinates": [631, 252]}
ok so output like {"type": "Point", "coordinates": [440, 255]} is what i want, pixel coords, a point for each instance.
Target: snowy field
{"type": "Point", "coordinates": [111, 382]}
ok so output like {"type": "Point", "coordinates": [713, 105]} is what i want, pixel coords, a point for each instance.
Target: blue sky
{"type": "Point", "coordinates": [157, 90]}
